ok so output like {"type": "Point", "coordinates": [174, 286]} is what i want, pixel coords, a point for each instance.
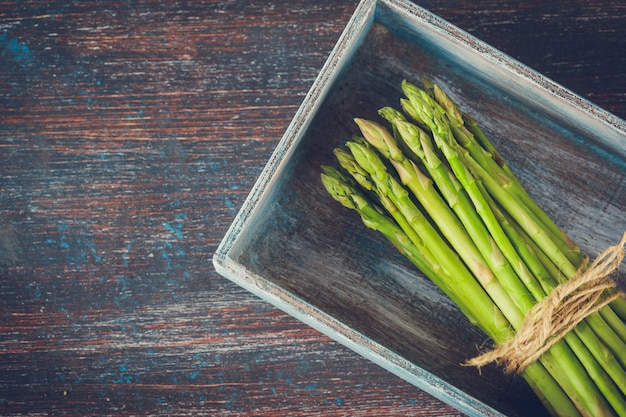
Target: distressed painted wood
{"type": "Point", "coordinates": [130, 134]}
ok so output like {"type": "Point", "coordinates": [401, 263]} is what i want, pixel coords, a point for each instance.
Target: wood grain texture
{"type": "Point", "coordinates": [130, 134]}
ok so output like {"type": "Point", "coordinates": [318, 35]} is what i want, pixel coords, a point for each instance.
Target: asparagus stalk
{"type": "Point", "coordinates": [475, 214]}
{"type": "Point", "coordinates": [419, 142]}
{"type": "Point", "coordinates": [587, 394]}
{"type": "Point", "coordinates": [607, 347]}
{"type": "Point", "coordinates": [344, 191]}
{"type": "Point", "coordinates": [422, 188]}
{"type": "Point", "coordinates": [350, 166]}
{"type": "Point", "coordinates": [550, 277]}
{"type": "Point", "coordinates": [483, 151]}
{"type": "Point", "coordinates": [480, 312]}
{"type": "Point", "coordinates": [466, 293]}
{"type": "Point", "coordinates": [440, 113]}
{"type": "Point", "coordinates": [486, 144]}
{"type": "Point", "coordinates": [504, 273]}
{"type": "Point", "coordinates": [441, 125]}
{"type": "Point", "coordinates": [619, 307]}
{"type": "Point", "coordinates": [518, 250]}
{"type": "Point", "coordinates": [529, 223]}
{"type": "Point", "coordinates": [423, 108]}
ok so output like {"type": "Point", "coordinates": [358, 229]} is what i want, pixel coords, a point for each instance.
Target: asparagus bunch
{"type": "Point", "coordinates": [434, 185]}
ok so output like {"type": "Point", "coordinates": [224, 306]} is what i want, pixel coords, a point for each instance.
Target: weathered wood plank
{"type": "Point", "coordinates": [130, 134]}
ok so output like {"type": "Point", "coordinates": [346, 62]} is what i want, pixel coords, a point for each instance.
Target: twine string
{"type": "Point", "coordinates": [587, 292]}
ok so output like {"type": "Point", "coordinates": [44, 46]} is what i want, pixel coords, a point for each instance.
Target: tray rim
{"type": "Point", "coordinates": [361, 20]}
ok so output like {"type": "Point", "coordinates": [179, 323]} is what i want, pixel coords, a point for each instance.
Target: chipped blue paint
{"type": "Point", "coordinates": [166, 257]}
{"type": "Point", "coordinates": [36, 289]}
{"type": "Point", "coordinates": [96, 257]}
{"type": "Point", "coordinates": [125, 255]}
{"type": "Point", "coordinates": [124, 285]}
{"type": "Point", "coordinates": [77, 249]}
{"type": "Point", "coordinates": [17, 51]}
{"type": "Point", "coordinates": [199, 367]}
{"type": "Point", "coordinates": [216, 164]}
{"type": "Point", "coordinates": [123, 376]}
{"type": "Point", "coordinates": [64, 244]}
{"type": "Point", "coordinates": [230, 205]}
{"type": "Point", "coordinates": [175, 230]}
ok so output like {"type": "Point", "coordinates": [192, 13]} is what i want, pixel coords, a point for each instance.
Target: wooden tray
{"type": "Point", "coordinates": [293, 246]}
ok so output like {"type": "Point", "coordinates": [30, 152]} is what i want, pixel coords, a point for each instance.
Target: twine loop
{"type": "Point", "coordinates": [588, 291]}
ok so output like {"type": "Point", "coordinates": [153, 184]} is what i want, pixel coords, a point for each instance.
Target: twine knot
{"type": "Point", "coordinates": [588, 291]}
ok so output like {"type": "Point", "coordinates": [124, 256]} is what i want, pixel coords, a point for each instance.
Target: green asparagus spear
{"type": "Point", "coordinates": [467, 294]}
{"type": "Point", "coordinates": [480, 313]}
{"type": "Point", "coordinates": [441, 126]}
{"type": "Point", "coordinates": [493, 234]}
{"type": "Point", "coordinates": [421, 187]}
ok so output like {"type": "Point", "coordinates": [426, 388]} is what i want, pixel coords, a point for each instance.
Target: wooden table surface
{"type": "Point", "coordinates": [130, 134]}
